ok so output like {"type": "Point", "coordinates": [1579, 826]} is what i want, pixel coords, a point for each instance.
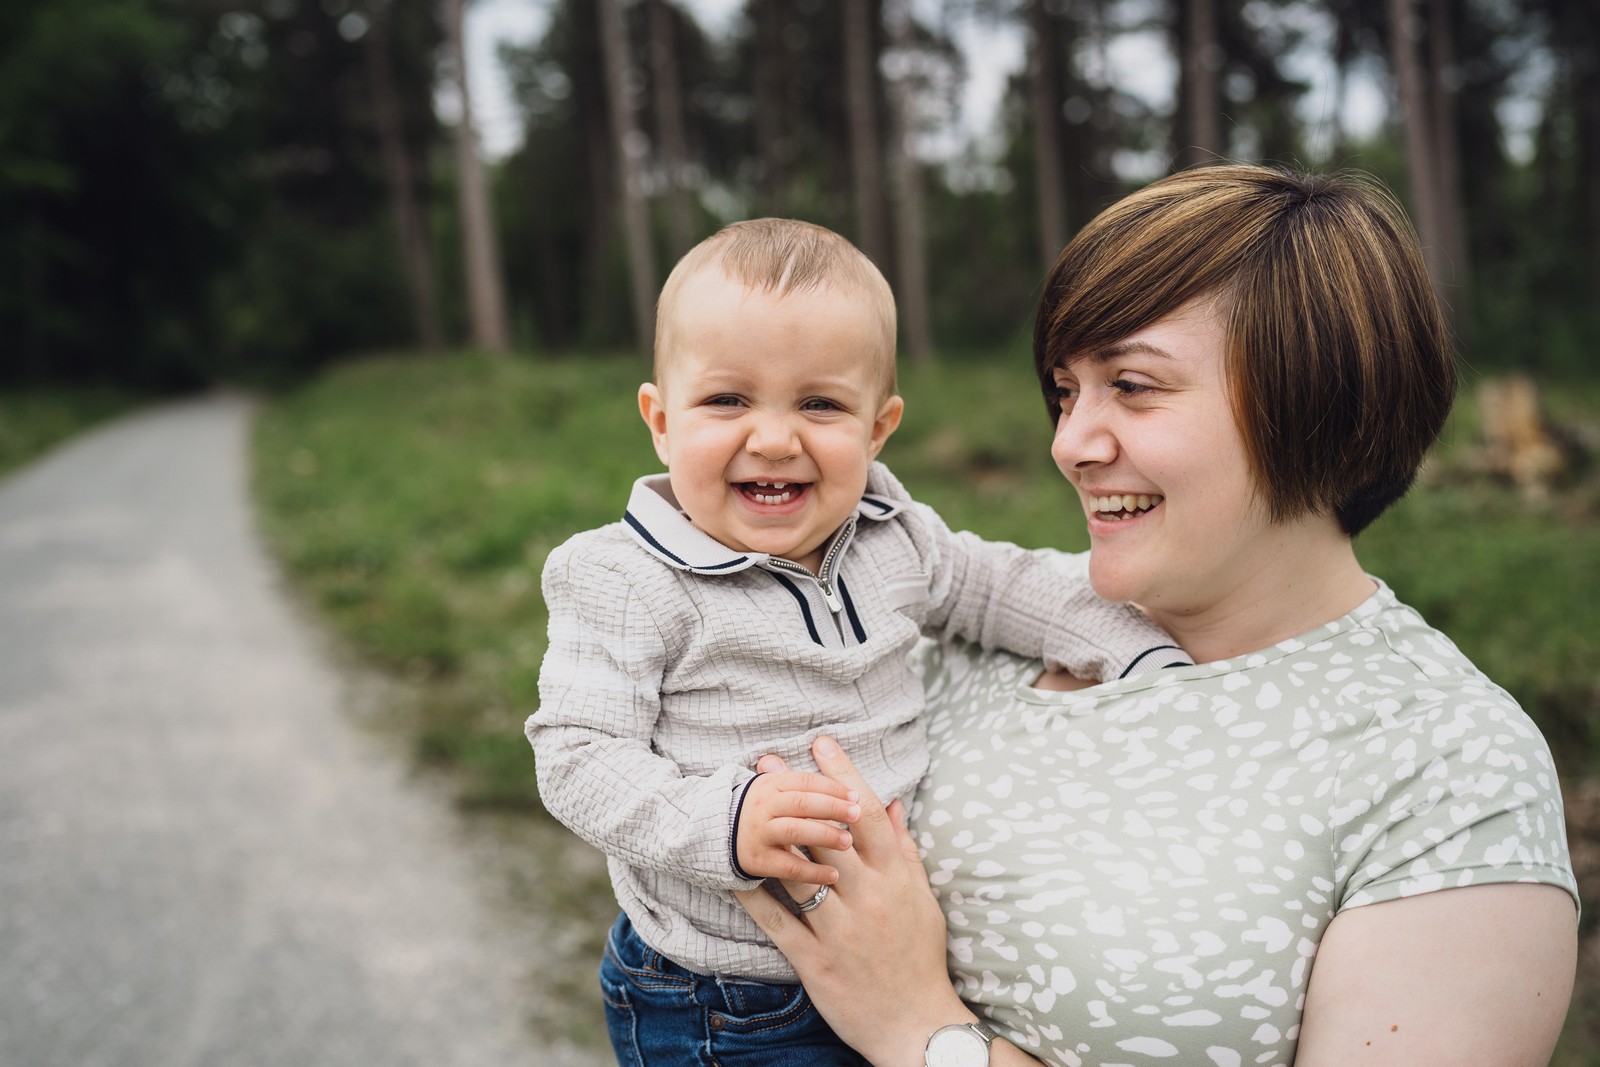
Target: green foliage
{"type": "Point", "coordinates": [108, 188]}
{"type": "Point", "coordinates": [416, 501]}
{"type": "Point", "coordinates": [192, 193]}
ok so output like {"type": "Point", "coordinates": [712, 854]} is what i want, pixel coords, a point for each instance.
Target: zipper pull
{"type": "Point", "coordinates": [833, 601]}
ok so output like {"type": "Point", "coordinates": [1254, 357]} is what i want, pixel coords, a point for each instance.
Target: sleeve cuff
{"type": "Point", "coordinates": [1155, 659]}
{"type": "Point", "coordinates": [739, 793]}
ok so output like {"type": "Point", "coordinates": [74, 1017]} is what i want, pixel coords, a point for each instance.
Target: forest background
{"type": "Point", "coordinates": [249, 190]}
{"type": "Point", "coordinates": [289, 196]}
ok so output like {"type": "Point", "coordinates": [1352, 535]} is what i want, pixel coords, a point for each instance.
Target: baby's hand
{"type": "Point", "coordinates": [784, 808]}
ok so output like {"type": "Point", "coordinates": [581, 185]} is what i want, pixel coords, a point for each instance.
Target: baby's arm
{"type": "Point", "coordinates": [1002, 596]}
{"type": "Point", "coordinates": [599, 690]}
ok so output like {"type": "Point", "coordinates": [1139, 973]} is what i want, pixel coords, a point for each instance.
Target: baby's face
{"type": "Point", "coordinates": [768, 413]}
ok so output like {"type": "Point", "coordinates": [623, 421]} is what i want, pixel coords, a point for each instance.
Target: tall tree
{"type": "Point", "coordinates": [626, 141]}
{"type": "Point", "coordinates": [1405, 28]}
{"type": "Point", "coordinates": [770, 66]}
{"type": "Point", "coordinates": [410, 227]}
{"type": "Point", "coordinates": [486, 303]}
{"type": "Point", "coordinates": [1202, 58]}
{"type": "Point", "coordinates": [866, 151]}
{"type": "Point", "coordinates": [906, 169]}
{"type": "Point", "coordinates": [1044, 99]}
{"type": "Point", "coordinates": [1443, 77]}
{"type": "Point", "coordinates": [671, 137]}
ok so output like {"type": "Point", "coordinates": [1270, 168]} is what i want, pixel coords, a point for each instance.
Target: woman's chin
{"type": "Point", "coordinates": [1114, 583]}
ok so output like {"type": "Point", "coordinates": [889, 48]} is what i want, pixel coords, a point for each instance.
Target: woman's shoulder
{"type": "Point", "coordinates": [1413, 668]}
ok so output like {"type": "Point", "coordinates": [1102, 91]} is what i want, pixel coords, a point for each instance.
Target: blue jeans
{"type": "Point", "coordinates": [661, 1015]}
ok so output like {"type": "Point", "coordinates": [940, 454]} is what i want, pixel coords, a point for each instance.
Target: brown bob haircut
{"type": "Point", "coordinates": [1339, 360]}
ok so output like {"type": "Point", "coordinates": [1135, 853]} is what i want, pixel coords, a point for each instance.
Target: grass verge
{"type": "Point", "coordinates": [34, 420]}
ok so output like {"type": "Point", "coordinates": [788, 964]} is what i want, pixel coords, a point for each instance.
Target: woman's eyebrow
{"type": "Point", "coordinates": [1128, 348]}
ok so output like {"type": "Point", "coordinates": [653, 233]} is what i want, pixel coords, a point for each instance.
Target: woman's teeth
{"type": "Point", "coordinates": [1113, 507]}
{"type": "Point", "coordinates": [780, 493]}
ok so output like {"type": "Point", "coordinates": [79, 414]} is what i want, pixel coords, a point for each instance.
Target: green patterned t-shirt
{"type": "Point", "coordinates": [1139, 873]}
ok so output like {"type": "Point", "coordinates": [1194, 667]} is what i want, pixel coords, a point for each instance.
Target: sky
{"type": "Point", "coordinates": [1141, 65]}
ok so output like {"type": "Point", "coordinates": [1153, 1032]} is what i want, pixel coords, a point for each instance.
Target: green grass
{"type": "Point", "coordinates": [34, 420]}
{"type": "Point", "coordinates": [416, 500]}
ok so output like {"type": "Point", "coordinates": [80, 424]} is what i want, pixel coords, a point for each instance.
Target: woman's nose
{"type": "Point", "coordinates": [1082, 440]}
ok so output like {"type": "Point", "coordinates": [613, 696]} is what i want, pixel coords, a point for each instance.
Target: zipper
{"type": "Point", "coordinates": [824, 576]}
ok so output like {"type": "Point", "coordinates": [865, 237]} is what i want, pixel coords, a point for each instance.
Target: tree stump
{"type": "Point", "coordinates": [1518, 443]}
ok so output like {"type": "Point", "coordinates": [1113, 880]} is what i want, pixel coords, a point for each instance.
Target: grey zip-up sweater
{"type": "Point", "coordinates": [676, 662]}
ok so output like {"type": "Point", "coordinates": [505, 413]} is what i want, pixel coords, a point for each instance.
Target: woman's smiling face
{"type": "Point", "coordinates": [1148, 437]}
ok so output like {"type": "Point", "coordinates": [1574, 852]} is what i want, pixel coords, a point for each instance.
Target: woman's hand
{"type": "Point", "coordinates": [872, 954]}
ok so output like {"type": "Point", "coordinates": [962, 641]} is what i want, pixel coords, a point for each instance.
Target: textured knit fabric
{"type": "Point", "coordinates": [1139, 873]}
{"type": "Point", "coordinates": [675, 663]}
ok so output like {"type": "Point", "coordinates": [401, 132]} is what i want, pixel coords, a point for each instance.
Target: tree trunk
{"type": "Point", "coordinates": [1419, 139]}
{"type": "Point", "coordinates": [866, 156]}
{"type": "Point", "coordinates": [1447, 147]}
{"type": "Point", "coordinates": [1044, 96]}
{"type": "Point", "coordinates": [486, 303]}
{"type": "Point", "coordinates": [625, 136]}
{"type": "Point", "coordinates": [910, 253]}
{"type": "Point", "coordinates": [1200, 98]}
{"type": "Point", "coordinates": [601, 221]}
{"type": "Point", "coordinates": [670, 126]}
{"type": "Point", "coordinates": [770, 63]}
{"type": "Point", "coordinates": [416, 254]}
{"type": "Point", "coordinates": [1344, 50]}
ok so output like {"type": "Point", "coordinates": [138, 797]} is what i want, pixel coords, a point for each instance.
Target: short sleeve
{"type": "Point", "coordinates": [1455, 789]}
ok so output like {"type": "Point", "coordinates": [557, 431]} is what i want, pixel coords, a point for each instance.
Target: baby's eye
{"type": "Point", "coordinates": [725, 401]}
{"type": "Point", "coordinates": [818, 403]}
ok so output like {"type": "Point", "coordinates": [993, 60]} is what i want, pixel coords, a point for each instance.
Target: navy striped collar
{"type": "Point", "coordinates": [663, 531]}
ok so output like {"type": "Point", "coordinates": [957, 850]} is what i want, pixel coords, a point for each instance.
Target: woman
{"type": "Point", "coordinates": [1330, 842]}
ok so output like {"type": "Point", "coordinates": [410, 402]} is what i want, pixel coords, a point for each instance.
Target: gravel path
{"type": "Point", "coordinates": [205, 859]}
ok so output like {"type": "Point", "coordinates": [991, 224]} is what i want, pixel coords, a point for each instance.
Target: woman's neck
{"type": "Point", "coordinates": [1294, 591]}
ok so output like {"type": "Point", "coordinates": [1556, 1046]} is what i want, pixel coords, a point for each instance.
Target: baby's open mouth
{"type": "Point", "coordinates": [773, 492]}
{"type": "Point", "coordinates": [1123, 505]}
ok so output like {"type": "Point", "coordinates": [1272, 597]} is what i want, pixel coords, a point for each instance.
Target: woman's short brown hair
{"type": "Point", "coordinates": [1339, 359]}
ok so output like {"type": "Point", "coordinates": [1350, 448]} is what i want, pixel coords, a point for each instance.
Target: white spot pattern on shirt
{"type": "Point", "coordinates": [1140, 873]}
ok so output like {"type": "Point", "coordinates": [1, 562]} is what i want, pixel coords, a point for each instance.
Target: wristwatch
{"type": "Point", "coordinates": [963, 1045]}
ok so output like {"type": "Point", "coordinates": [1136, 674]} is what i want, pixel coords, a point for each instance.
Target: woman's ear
{"type": "Point", "coordinates": [653, 410]}
{"type": "Point", "coordinates": [887, 421]}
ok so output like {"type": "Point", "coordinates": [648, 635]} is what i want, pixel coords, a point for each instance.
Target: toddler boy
{"type": "Point", "coordinates": [764, 591]}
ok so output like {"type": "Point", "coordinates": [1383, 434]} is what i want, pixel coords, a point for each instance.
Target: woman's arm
{"type": "Point", "coordinates": [872, 954]}
{"type": "Point", "coordinates": [1477, 976]}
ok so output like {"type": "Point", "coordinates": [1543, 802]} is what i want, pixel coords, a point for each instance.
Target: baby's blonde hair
{"type": "Point", "coordinates": [782, 256]}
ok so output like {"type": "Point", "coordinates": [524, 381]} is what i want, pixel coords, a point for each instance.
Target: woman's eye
{"type": "Point", "coordinates": [1127, 388]}
{"type": "Point", "coordinates": [1062, 394]}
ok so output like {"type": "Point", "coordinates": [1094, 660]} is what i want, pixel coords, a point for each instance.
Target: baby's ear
{"type": "Point", "coordinates": [653, 410]}
{"type": "Point", "coordinates": [887, 422]}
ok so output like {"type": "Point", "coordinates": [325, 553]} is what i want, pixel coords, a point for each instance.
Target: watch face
{"type": "Point", "coordinates": [957, 1046]}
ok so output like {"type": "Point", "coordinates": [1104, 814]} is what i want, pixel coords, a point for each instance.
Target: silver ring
{"type": "Point", "coordinates": [822, 894]}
